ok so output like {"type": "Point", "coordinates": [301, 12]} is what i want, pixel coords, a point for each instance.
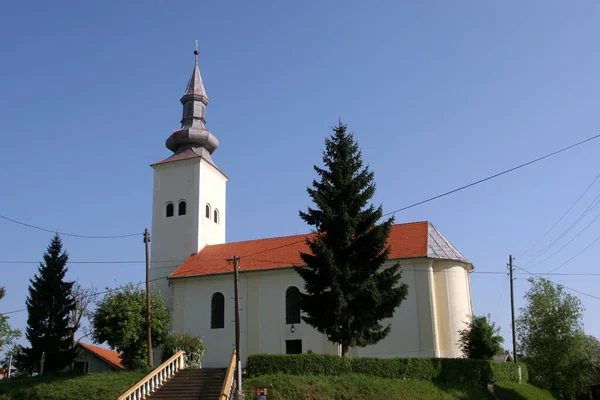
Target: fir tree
{"type": "Point", "coordinates": [348, 289]}
{"type": "Point", "coordinates": [50, 304]}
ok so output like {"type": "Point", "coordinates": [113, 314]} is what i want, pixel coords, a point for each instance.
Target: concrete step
{"type": "Point", "coordinates": [189, 384]}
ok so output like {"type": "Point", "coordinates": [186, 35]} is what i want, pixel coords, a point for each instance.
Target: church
{"type": "Point", "coordinates": [191, 265]}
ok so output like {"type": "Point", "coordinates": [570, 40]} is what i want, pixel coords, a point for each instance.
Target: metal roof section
{"type": "Point", "coordinates": [440, 247]}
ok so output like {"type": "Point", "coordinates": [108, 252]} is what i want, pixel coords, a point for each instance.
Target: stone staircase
{"type": "Point", "coordinates": [192, 384]}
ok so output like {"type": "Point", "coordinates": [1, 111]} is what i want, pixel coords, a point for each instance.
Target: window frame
{"type": "Point", "coordinates": [217, 321]}
{"type": "Point", "coordinates": [179, 204]}
{"type": "Point", "coordinates": [169, 204]}
{"type": "Point", "coordinates": [292, 316]}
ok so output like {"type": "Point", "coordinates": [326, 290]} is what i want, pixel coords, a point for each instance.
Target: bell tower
{"type": "Point", "coordinates": [188, 208]}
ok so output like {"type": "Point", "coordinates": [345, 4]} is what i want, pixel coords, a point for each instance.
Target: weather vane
{"type": "Point", "coordinates": [196, 51]}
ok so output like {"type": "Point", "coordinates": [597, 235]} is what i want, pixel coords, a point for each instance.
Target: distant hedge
{"type": "Point", "coordinates": [432, 369]}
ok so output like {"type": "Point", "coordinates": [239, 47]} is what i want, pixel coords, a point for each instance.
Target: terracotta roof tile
{"type": "Point", "coordinates": [406, 241]}
{"type": "Point", "coordinates": [110, 356]}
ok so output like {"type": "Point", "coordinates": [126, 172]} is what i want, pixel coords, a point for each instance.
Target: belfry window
{"type": "Point", "coordinates": [217, 312]}
{"type": "Point", "coordinates": [292, 305]}
{"type": "Point", "coordinates": [170, 209]}
{"type": "Point", "coordinates": [216, 216]}
{"type": "Point", "coordinates": [207, 211]}
{"type": "Point", "coordinates": [182, 207]}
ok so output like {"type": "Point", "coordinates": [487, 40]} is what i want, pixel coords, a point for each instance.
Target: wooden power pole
{"type": "Point", "coordinates": [238, 362]}
{"type": "Point", "coordinates": [148, 299]}
{"type": "Point", "coordinates": [512, 309]}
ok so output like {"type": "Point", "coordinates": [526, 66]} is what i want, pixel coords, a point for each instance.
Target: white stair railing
{"type": "Point", "coordinates": [229, 386]}
{"type": "Point", "coordinates": [155, 379]}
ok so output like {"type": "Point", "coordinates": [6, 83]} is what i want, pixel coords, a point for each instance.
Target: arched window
{"type": "Point", "coordinates": [217, 312]}
{"type": "Point", "coordinates": [292, 305]}
{"type": "Point", "coordinates": [216, 216]}
{"type": "Point", "coordinates": [207, 211]}
{"type": "Point", "coordinates": [182, 207]}
{"type": "Point", "coordinates": [170, 209]}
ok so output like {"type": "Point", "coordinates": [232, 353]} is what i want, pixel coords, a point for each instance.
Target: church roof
{"type": "Point", "coordinates": [411, 240]}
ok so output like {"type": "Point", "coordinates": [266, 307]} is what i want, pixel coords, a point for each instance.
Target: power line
{"type": "Point", "coordinates": [561, 218]}
{"type": "Point", "coordinates": [67, 233]}
{"type": "Point", "coordinates": [98, 262]}
{"type": "Point", "coordinates": [492, 176]}
{"type": "Point", "coordinates": [539, 253]}
{"type": "Point", "coordinates": [576, 255]}
{"type": "Point", "coordinates": [566, 244]}
{"type": "Point", "coordinates": [94, 295]}
{"type": "Point", "coordinates": [566, 287]}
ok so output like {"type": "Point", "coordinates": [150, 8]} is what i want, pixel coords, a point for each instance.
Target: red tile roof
{"type": "Point", "coordinates": [111, 357]}
{"type": "Point", "coordinates": [406, 241]}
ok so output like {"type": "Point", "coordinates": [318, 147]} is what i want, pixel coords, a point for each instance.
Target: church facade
{"type": "Point", "coordinates": [190, 251]}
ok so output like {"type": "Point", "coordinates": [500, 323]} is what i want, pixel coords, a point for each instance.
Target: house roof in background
{"type": "Point", "coordinates": [111, 357]}
{"type": "Point", "coordinates": [411, 240]}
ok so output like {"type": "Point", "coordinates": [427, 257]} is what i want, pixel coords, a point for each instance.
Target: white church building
{"type": "Point", "coordinates": [189, 249]}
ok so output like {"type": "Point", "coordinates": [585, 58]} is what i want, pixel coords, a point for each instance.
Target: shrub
{"type": "Point", "coordinates": [192, 345]}
{"type": "Point", "coordinates": [452, 370]}
{"type": "Point", "coordinates": [298, 364]}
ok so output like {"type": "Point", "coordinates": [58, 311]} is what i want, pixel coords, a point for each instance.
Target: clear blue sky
{"type": "Point", "coordinates": [438, 94]}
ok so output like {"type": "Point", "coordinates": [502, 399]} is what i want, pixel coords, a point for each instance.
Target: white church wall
{"type": "Point", "coordinates": [415, 333]}
{"type": "Point", "coordinates": [192, 314]}
{"type": "Point", "coordinates": [174, 238]}
{"type": "Point", "coordinates": [212, 191]}
{"type": "Point", "coordinates": [453, 303]}
{"type": "Point", "coordinates": [411, 325]}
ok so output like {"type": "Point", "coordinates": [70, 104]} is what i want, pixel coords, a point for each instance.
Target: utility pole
{"type": "Point", "coordinates": [238, 361]}
{"type": "Point", "coordinates": [512, 309]}
{"type": "Point", "coordinates": [149, 311]}
{"type": "Point", "coordinates": [42, 363]}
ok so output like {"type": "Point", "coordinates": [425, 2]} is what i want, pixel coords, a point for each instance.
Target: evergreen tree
{"type": "Point", "coordinates": [50, 304]}
{"type": "Point", "coordinates": [348, 291]}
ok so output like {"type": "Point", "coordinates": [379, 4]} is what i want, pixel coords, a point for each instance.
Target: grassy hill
{"type": "Point", "coordinates": [105, 386]}
{"type": "Point", "coordinates": [361, 387]}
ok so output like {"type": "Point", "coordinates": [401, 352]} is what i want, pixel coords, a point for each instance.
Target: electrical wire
{"type": "Point", "coordinates": [541, 252]}
{"type": "Point", "coordinates": [566, 287]}
{"type": "Point", "coordinates": [576, 255]}
{"type": "Point", "coordinates": [492, 176]}
{"type": "Point", "coordinates": [561, 218]}
{"type": "Point", "coordinates": [566, 244]}
{"type": "Point", "coordinates": [94, 295]}
{"type": "Point", "coordinates": [67, 233]}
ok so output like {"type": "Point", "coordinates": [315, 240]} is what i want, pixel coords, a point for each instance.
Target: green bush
{"type": "Point", "coordinates": [192, 345]}
{"type": "Point", "coordinates": [451, 370]}
{"type": "Point", "coordinates": [298, 364]}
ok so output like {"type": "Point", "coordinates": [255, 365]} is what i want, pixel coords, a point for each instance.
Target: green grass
{"type": "Point", "coordinates": [354, 386]}
{"type": "Point", "coordinates": [105, 386]}
{"type": "Point", "coordinates": [513, 390]}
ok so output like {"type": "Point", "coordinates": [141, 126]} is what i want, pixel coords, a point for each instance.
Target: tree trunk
{"type": "Point", "coordinates": [345, 349]}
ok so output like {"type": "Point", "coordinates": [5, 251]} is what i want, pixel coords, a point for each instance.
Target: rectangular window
{"type": "Point", "coordinates": [293, 347]}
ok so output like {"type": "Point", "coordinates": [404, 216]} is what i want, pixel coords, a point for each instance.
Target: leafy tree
{"type": "Point", "coordinates": [120, 321]}
{"type": "Point", "coordinates": [191, 344]}
{"type": "Point", "coordinates": [7, 334]}
{"type": "Point", "coordinates": [348, 289]}
{"type": "Point", "coordinates": [49, 304]}
{"type": "Point", "coordinates": [551, 337]}
{"type": "Point", "coordinates": [480, 339]}
{"type": "Point", "coordinates": [84, 299]}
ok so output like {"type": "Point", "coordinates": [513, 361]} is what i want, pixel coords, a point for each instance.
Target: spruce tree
{"type": "Point", "coordinates": [50, 304]}
{"type": "Point", "coordinates": [348, 290]}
